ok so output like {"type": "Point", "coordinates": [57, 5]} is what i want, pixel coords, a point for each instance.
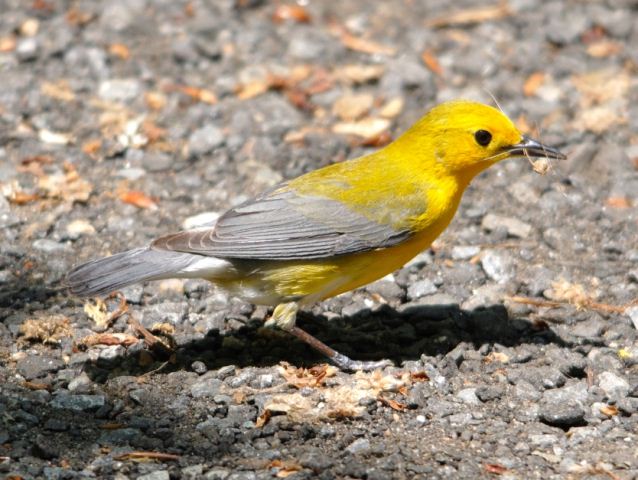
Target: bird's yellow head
{"type": "Point", "coordinates": [465, 138]}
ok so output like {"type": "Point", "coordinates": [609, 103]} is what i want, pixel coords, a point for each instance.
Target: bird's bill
{"type": "Point", "coordinates": [529, 147]}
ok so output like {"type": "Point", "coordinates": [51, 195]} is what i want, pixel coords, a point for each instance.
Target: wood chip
{"type": "Point", "coordinates": [120, 51]}
{"type": "Point", "coordinates": [296, 13]}
{"type": "Point", "coordinates": [358, 74]}
{"type": "Point", "coordinates": [471, 16]}
{"type": "Point", "coordinates": [365, 128]}
{"type": "Point", "coordinates": [432, 62]}
{"type": "Point", "coordinates": [352, 106]}
{"type": "Point", "coordinates": [139, 199]}
{"type": "Point", "coordinates": [533, 83]}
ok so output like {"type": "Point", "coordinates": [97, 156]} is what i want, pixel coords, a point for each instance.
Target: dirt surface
{"type": "Point", "coordinates": [514, 341]}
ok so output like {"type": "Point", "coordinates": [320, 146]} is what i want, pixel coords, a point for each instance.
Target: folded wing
{"type": "Point", "coordinates": [283, 225]}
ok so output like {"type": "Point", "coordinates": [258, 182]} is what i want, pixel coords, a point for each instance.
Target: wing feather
{"type": "Point", "coordinates": [283, 225]}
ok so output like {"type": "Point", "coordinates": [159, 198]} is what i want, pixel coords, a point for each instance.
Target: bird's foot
{"type": "Point", "coordinates": [284, 316]}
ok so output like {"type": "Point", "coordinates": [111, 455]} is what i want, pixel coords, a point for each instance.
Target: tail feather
{"type": "Point", "coordinates": [105, 275]}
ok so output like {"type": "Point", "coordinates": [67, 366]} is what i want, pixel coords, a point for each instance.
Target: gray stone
{"type": "Point", "coordinates": [27, 49]}
{"type": "Point", "coordinates": [564, 407]}
{"type": "Point", "coordinates": [156, 475]}
{"type": "Point", "coordinates": [615, 387]}
{"type": "Point", "coordinates": [78, 403]}
{"type": "Point", "coordinates": [206, 387]}
{"type": "Point", "coordinates": [513, 226]}
{"type": "Point", "coordinates": [204, 140]}
{"type": "Point", "coordinates": [420, 288]}
{"type": "Point", "coordinates": [499, 266]}
{"type": "Point", "coordinates": [359, 446]}
{"type": "Point", "coordinates": [46, 245]}
{"type": "Point", "coordinates": [157, 161]}
{"type": "Point", "coordinates": [464, 252]}
{"type": "Point", "coordinates": [468, 396]}
{"type": "Point", "coordinates": [35, 366]}
{"type": "Point", "coordinates": [120, 89]}
{"type": "Point", "coordinates": [387, 289]}
{"type": "Point", "coordinates": [217, 473]}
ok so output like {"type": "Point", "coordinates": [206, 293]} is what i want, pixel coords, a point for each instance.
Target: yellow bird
{"type": "Point", "coordinates": [333, 229]}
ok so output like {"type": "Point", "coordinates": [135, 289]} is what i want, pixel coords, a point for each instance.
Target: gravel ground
{"type": "Point", "coordinates": [515, 347]}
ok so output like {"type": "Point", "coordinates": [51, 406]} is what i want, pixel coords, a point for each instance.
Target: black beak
{"type": "Point", "coordinates": [529, 147]}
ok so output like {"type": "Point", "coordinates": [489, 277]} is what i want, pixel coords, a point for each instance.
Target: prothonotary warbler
{"type": "Point", "coordinates": [333, 229]}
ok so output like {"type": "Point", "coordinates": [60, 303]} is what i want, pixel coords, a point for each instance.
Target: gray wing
{"type": "Point", "coordinates": [282, 225]}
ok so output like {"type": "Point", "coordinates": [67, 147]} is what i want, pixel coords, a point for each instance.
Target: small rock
{"type": "Point", "coordinates": [564, 407]}
{"type": "Point", "coordinates": [217, 473]}
{"type": "Point", "coordinates": [27, 49]}
{"type": "Point", "coordinates": [50, 246]}
{"type": "Point", "coordinates": [156, 475]}
{"type": "Point", "coordinates": [633, 315]}
{"type": "Point", "coordinates": [421, 288]}
{"type": "Point", "coordinates": [468, 396]}
{"type": "Point", "coordinates": [513, 226]}
{"type": "Point", "coordinates": [204, 140]}
{"type": "Point", "coordinates": [199, 367]}
{"type": "Point", "coordinates": [78, 403]}
{"type": "Point", "coordinates": [489, 392]}
{"type": "Point", "coordinates": [120, 89]}
{"type": "Point", "coordinates": [80, 383]}
{"type": "Point", "coordinates": [194, 472]}
{"type": "Point", "coordinates": [206, 387]}
{"type": "Point", "coordinates": [387, 289]}
{"type": "Point", "coordinates": [157, 161]}
{"type": "Point", "coordinates": [360, 445]}
{"type": "Point", "coordinates": [498, 266]}
{"type": "Point", "coordinates": [464, 252]}
{"type": "Point", "coordinates": [615, 387]}
{"type": "Point", "coordinates": [35, 366]}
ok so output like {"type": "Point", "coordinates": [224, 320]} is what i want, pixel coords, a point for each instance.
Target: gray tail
{"type": "Point", "coordinates": [106, 275]}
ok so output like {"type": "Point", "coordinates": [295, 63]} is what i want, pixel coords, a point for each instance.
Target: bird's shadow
{"type": "Point", "coordinates": [399, 335]}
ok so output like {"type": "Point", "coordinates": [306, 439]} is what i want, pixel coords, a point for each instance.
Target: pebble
{"type": "Point", "coordinates": [78, 403]}
{"type": "Point", "coordinates": [564, 407]}
{"type": "Point", "coordinates": [359, 446]}
{"type": "Point", "coordinates": [499, 266]}
{"type": "Point", "coordinates": [204, 140]}
{"type": "Point", "coordinates": [48, 246]}
{"type": "Point", "coordinates": [36, 366]}
{"type": "Point", "coordinates": [464, 252]}
{"type": "Point", "coordinates": [27, 49]}
{"type": "Point", "coordinates": [513, 226]}
{"type": "Point", "coordinates": [421, 288]}
{"type": "Point", "coordinates": [614, 386]}
{"type": "Point", "coordinates": [468, 396]}
{"type": "Point", "coordinates": [119, 90]}
{"type": "Point", "coordinates": [206, 387]}
{"type": "Point", "coordinates": [156, 475]}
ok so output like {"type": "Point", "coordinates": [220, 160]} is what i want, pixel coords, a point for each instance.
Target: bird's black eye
{"type": "Point", "coordinates": [483, 137]}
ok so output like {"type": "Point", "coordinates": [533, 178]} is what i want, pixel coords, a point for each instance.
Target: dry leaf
{"type": "Point", "coordinates": [352, 106]}
{"type": "Point", "coordinates": [358, 74]}
{"type": "Point", "coordinates": [601, 86]}
{"type": "Point", "coordinates": [306, 377]}
{"type": "Point", "coordinates": [471, 15]}
{"type": "Point", "coordinates": [139, 199]}
{"type": "Point", "coordinates": [51, 329]}
{"type": "Point", "coordinates": [98, 310]}
{"type": "Point", "coordinates": [284, 468]}
{"type": "Point", "coordinates": [392, 108]}
{"type": "Point", "coordinates": [120, 50]}
{"type": "Point", "coordinates": [36, 386]}
{"type": "Point", "coordinates": [364, 45]}
{"type": "Point", "coordinates": [252, 89]}
{"type": "Point", "coordinates": [609, 410]}
{"type": "Point", "coordinates": [495, 468]}
{"type": "Point", "coordinates": [92, 147]}
{"type": "Point", "coordinates": [55, 138]}
{"type": "Point", "coordinates": [146, 456]}
{"type": "Point", "coordinates": [155, 100]}
{"type": "Point", "coordinates": [296, 13]}
{"type": "Point", "coordinates": [393, 404]}
{"type": "Point", "coordinates": [573, 293]}
{"type": "Point", "coordinates": [123, 339]}
{"type": "Point", "coordinates": [366, 128]}
{"type": "Point", "coordinates": [263, 418]}
{"type": "Point", "coordinates": [7, 44]}
{"type": "Point", "coordinates": [496, 357]}
{"type": "Point", "coordinates": [59, 90]}
{"type": "Point", "coordinates": [618, 202]}
{"type": "Point", "coordinates": [199, 94]}
{"type": "Point", "coordinates": [66, 186]}
{"type": "Point", "coordinates": [533, 83]}
{"type": "Point", "coordinates": [77, 17]}
{"type": "Point", "coordinates": [29, 27]}
{"type": "Point", "coordinates": [432, 62]}
{"type": "Point", "coordinates": [604, 48]}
